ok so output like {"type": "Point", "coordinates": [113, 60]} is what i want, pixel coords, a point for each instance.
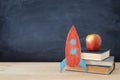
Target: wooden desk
{"type": "Point", "coordinates": [48, 71]}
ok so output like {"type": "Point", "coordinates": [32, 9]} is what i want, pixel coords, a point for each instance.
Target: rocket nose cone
{"type": "Point", "coordinates": [73, 27]}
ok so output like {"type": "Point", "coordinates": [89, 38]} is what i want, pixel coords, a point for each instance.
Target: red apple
{"type": "Point", "coordinates": [93, 42]}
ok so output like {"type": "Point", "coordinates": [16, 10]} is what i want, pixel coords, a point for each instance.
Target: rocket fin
{"type": "Point", "coordinates": [62, 65]}
{"type": "Point", "coordinates": [83, 64]}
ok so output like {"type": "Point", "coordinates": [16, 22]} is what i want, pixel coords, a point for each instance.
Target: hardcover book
{"type": "Point", "coordinates": [99, 55]}
{"type": "Point", "coordinates": [106, 62]}
{"type": "Point", "coordinates": [93, 69]}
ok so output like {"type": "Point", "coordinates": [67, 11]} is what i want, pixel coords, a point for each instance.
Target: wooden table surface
{"type": "Point", "coordinates": [48, 71]}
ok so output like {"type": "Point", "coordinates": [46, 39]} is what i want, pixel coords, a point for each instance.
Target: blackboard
{"type": "Point", "coordinates": [36, 30]}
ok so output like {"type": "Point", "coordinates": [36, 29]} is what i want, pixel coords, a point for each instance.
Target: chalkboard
{"type": "Point", "coordinates": [36, 30]}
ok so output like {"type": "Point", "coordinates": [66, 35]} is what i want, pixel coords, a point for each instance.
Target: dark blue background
{"type": "Point", "coordinates": [36, 30]}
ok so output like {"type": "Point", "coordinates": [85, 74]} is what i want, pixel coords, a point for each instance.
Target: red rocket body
{"type": "Point", "coordinates": [72, 48]}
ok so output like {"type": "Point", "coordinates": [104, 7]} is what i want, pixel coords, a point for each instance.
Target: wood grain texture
{"type": "Point", "coordinates": [48, 71]}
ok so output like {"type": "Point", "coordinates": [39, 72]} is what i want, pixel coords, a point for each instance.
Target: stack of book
{"type": "Point", "coordinates": [97, 62]}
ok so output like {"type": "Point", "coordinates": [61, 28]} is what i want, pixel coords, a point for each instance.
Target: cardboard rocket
{"type": "Point", "coordinates": [72, 51]}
